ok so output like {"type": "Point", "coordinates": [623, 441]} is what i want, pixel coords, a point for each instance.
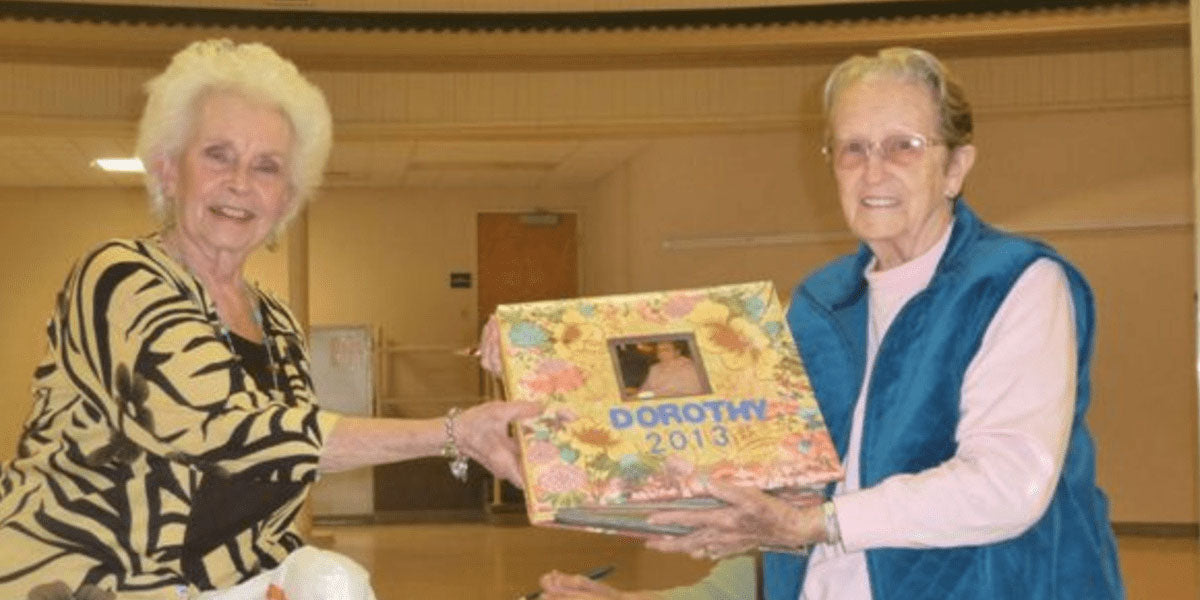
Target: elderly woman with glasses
{"type": "Point", "coordinates": [175, 431]}
{"type": "Point", "coordinates": [951, 361]}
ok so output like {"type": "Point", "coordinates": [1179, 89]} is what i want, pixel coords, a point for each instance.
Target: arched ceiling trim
{"type": "Point", "coordinates": [288, 18]}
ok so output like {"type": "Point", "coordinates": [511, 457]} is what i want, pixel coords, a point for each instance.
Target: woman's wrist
{"type": "Point", "coordinates": [833, 531]}
{"type": "Point", "coordinates": [799, 528]}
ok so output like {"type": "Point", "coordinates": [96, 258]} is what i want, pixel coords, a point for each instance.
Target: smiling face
{"type": "Point", "coordinates": [899, 210]}
{"type": "Point", "coordinates": [230, 182]}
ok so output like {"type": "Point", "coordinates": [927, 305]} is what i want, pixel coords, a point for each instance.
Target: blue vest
{"type": "Point", "coordinates": [913, 409]}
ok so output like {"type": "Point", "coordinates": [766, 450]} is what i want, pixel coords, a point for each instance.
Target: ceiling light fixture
{"type": "Point", "coordinates": [120, 165]}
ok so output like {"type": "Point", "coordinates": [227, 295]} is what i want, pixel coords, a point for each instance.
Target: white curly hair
{"type": "Point", "coordinates": [253, 70]}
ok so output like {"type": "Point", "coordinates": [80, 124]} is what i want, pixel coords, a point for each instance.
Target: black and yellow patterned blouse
{"type": "Point", "coordinates": [153, 463]}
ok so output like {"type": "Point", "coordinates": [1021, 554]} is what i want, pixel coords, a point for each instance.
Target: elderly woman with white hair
{"type": "Point", "coordinates": [951, 361]}
{"type": "Point", "coordinates": [175, 432]}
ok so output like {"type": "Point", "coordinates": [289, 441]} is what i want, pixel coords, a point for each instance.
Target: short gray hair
{"type": "Point", "coordinates": [254, 71]}
{"type": "Point", "coordinates": [955, 123]}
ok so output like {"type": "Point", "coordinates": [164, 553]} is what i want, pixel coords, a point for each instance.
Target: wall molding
{"type": "Point", "coordinates": [364, 132]}
{"type": "Point", "coordinates": [650, 128]}
{"type": "Point", "coordinates": [58, 100]}
{"type": "Point", "coordinates": [751, 240]}
{"type": "Point", "coordinates": [1180, 530]}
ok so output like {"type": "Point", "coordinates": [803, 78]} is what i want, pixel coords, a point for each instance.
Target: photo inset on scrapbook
{"type": "Point", "coordinates": [659, 366]}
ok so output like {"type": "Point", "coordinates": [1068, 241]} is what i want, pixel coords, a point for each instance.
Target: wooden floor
{"type": "Point", "coordinates": [479, 561]}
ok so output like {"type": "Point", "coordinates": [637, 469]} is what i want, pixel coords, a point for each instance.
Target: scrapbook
{"type": "Point", "coordinates": [648, 397]}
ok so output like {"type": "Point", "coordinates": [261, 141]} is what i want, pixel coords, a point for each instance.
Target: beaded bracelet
{"type": "Point", "coordinates": [458, 460]}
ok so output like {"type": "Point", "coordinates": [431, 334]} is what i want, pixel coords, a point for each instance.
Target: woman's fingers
{"type": "Point", "coordinates": [708, 517]}
{"type": "Point", "coordinates": [522, 410]}
{"type": "Point", "coordinates": [482, 434]}
{"type": "Point", "coordinates": [489, 347]}
{"type": "Point", "coordinates": [737, 495]}
{"type": "Point", "coordinates": [695, 544]}
{"type": "Point", "coordinates": [750, 519]}
{"type": "Point", "coordinates": [561, 586]}
{"type": "Point", "coordinates": [705, 544]}
{"type": "Point", "coordinates": [482, 427]}
{"type": "Point", "coordinates": [505, 464]}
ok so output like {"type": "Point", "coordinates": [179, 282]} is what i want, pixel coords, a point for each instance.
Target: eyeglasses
{"type": "Point", "coordinates": [900, 149]}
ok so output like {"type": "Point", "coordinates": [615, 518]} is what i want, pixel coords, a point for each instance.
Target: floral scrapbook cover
{"type": "Point", "coordinates": [650, 396]}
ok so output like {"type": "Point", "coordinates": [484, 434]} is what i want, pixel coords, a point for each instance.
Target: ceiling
{"type": "Point", "coordinates": [65, 161]}
{"type": "Point", "coordinates": [483, 163]}
{"type": "Point", "coordinates": [56, 151]}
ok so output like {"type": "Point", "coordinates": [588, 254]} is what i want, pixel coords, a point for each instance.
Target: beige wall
{"type": "Point", "coordinates": [689, 195]}
{"type": "Point", "coordinates": [1089, 147]}
{"type": "Point", "coordinates": [384, 257]}
{"type": "Point", "coordinates": [1103, 168]}
{"type": "Point", "coordinates": [39, 247]}
{"type": "Point", "coordinates": [42, 233]}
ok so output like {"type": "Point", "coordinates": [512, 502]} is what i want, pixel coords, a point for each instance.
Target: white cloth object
{"type": "Point", "coordinates": [306, 574]}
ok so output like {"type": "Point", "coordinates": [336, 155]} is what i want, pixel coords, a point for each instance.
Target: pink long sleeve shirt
{"type": "Point", "coordinates": [1018, 396]}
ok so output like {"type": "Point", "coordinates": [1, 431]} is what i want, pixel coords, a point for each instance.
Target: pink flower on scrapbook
{"type": "Point", "coordinates": [808, 444]}
{"type": "Point", "coordinates": [679, 305]}
{"type": "Point", "coordinates": [679, 466]}
{"type": "Point", "coordinates": [778, 408]}
{"type": "Point", "coordinates": [822, 445]}
{"type": "Point", "coordinates": [722, 471]}
{"type": "Point", "coordinates": [653, 489]}
{"type": "Point", "coordinates": [562, 478]}
{"type": "Point", "coordinates": [748, 475]}
{"type": "Point", "coordinates": [650, 313]}
{"type": "Point", "coordinates": [554, 376]}
{"type": "Point", "coordinates": [540, 453]}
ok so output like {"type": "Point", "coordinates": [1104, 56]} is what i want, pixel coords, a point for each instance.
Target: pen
{"type": "Point", "coordinates": [594, 574]}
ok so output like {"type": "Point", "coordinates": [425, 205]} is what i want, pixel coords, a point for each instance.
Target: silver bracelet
{"type": "Point", "coordinates": [458, 460]}
{"type": "Point", "coordinates": [833, 532]}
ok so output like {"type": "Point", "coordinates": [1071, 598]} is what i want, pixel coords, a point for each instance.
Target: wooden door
{"type": "Point", "coordinates": [525, 257]}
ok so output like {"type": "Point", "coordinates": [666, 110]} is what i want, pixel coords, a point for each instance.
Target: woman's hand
{"type": "Point", "coordinates": [752, 519]}
{"type": "Point", "coordinates": [561, 586]}
{"type": "Point", "coordinates": [481, 432]}
{"type": "Point", "coordinates": [489, 347]}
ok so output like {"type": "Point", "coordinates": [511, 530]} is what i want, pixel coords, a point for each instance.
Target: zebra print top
{"type": "Point", "coordinates": [143, 419]}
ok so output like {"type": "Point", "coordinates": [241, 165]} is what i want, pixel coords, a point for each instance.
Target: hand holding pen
{"type": "Point", "coordinates": [581, 587]}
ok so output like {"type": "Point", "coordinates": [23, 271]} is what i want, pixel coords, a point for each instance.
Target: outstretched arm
{"type": "Point", "coordinates": [480, 432]}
